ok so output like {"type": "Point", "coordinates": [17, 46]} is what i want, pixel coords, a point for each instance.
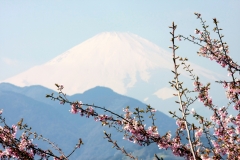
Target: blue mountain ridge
{"type": "Point", "coordinates": [54, 121]}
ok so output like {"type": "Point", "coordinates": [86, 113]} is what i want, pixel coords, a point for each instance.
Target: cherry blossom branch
{"type": "Point", "coordinates": [177, 86]}
{"type": "Point", "coordinates": [127, 120]}
{"type": "Point", "coordinates": [108, 136]}
{"type": "Point", "coordinates": [19, 148]}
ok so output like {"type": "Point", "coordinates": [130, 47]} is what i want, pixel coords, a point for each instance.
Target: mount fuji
{"type": "Point", "coordinates": [124, 62]}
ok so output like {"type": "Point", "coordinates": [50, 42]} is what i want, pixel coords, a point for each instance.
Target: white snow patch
{"type": "Point", "coordinates": [165, 93]}
{"type": "Point", "coordinates": [145, 99]}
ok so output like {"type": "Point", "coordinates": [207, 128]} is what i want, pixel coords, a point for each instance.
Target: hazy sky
{"type": "Point", "coordinates": [34, 32]}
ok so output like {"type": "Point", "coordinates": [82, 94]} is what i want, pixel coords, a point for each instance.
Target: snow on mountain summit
{"type": "Point", "coordinates": [105, 60]}
{"type": "Point", "coordinates": [111, 59]}
{"type": "Point", "coordinates": [109, 47]}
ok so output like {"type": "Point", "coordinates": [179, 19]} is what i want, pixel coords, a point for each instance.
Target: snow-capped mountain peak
{"type": "Point", "coordinates": [124, 62]}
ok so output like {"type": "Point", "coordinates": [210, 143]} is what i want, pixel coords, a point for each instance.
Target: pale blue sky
{"type": "Point", "coordinates": [34, 32]}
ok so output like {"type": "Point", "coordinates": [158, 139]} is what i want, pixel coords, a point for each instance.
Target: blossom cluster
{"type": "Point", "coordinates": [232, 92]}
{"type": "Point", "coordinates": [203, 91]}
{"type": "Point", "coordinates": [225, 138]}
{"type": "Point", "coordinates": [20, 148]}
{"type": "Point", "coordinates": [15, 148]}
